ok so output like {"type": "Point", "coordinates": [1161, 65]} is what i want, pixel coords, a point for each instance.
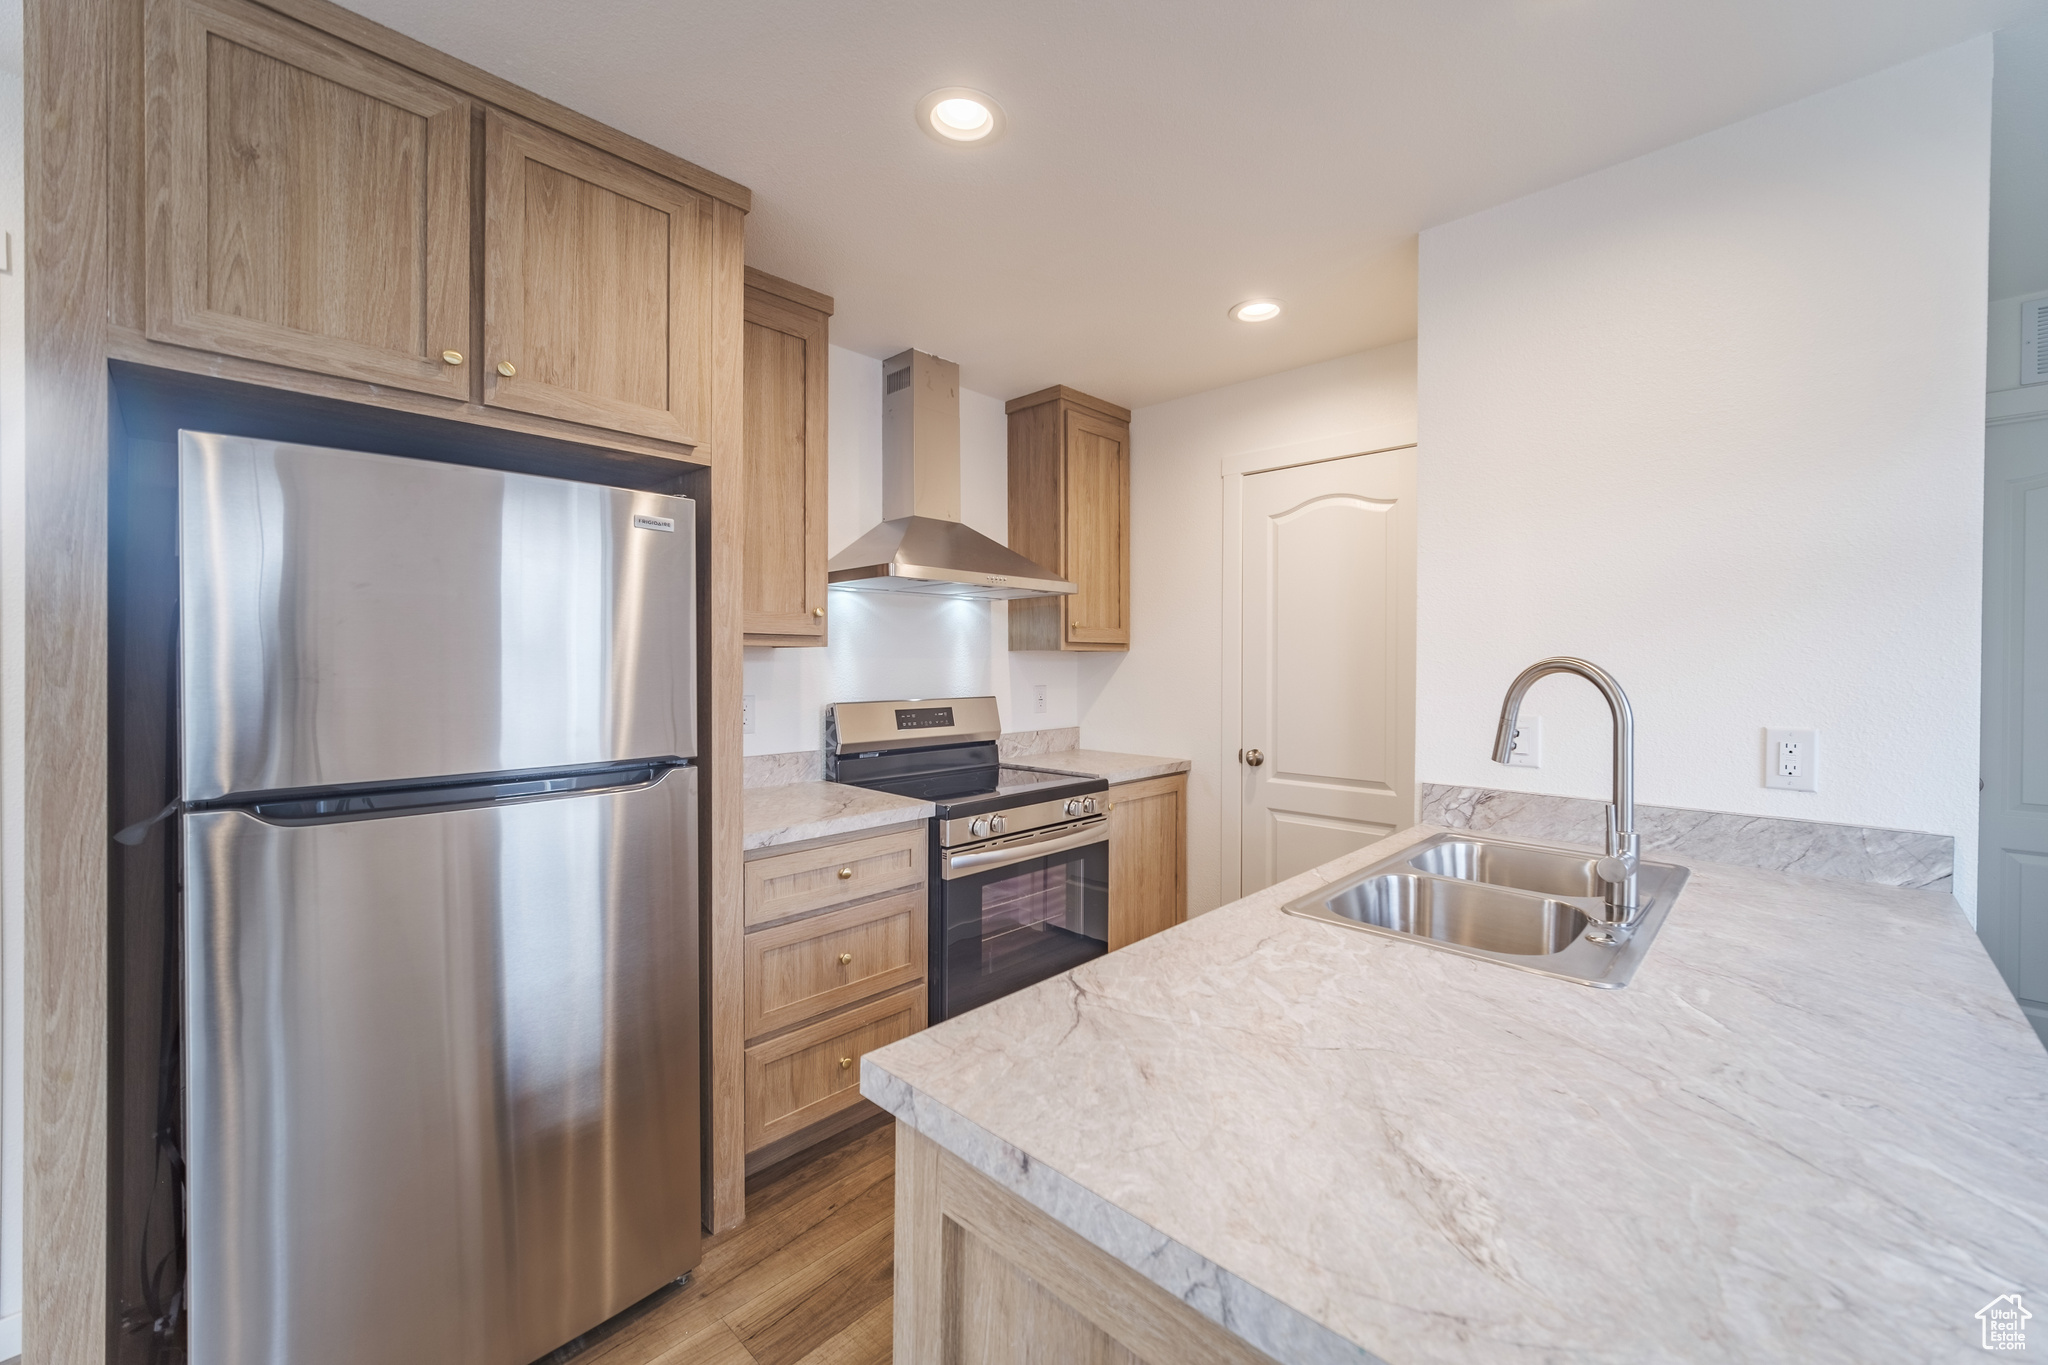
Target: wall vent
{"type": "Point", "coordinates": [2034, 340]}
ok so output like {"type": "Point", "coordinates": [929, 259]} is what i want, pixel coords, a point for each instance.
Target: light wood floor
{"type": "Point", "coordinates": [804, 1281]}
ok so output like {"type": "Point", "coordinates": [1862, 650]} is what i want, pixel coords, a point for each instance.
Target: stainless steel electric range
{"type": "Point", "coordinates": [1019, 859]}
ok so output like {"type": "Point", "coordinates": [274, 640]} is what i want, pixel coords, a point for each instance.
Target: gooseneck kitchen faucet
{"type": "Point", "coordinates": [1618, 868]}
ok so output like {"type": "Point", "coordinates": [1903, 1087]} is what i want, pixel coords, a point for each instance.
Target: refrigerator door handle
{"type": "Point", "coordinates": [137, 832]}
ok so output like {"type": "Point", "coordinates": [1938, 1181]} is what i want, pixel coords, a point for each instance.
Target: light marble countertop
{"type": "Point", "coordinates": [1814, 1127]}
{"type": "Point", "coordinates": [821, 810]}
{"type": "Point", "coordinates": [1101, 763]}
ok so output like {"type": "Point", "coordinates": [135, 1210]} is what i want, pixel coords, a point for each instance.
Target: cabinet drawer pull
{"type": "Point", "coordinates": [846, 959]}
{"type": "Point", "coordinates": [845, 874]}
{"type": "Point", "coordinates": [817, 611]}
{"type": "Point", "coordinates": [507, 368]}
{"type": "Point", "coordinates": [845, 1062]}
{"type": "Point", "coordinates": [451, 357]}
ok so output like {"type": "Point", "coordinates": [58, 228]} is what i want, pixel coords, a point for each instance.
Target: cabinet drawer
{"type": "Point", "coordinates": [799, 971]}
{"type": "Point", "coordinates": [793, 883]}
{"type": "Point", "coordinates": [802, 1077]}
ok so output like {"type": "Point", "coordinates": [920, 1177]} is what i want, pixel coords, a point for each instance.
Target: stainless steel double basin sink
{"type": "Point", "coordinates": [1531, 906]}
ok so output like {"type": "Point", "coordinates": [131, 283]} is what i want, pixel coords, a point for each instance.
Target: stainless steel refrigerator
{"type": "Point", "coordinates": [440, 905]}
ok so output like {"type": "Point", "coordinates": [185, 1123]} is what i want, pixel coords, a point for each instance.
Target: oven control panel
{"type": "Point", "coordinates": [965, 829]}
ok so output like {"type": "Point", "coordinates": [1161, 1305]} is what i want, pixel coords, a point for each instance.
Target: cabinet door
{"type": "Point", "coordinates": [310, 203]}
{"type": "Point", "coordinates": [1147, 858]}
{"type": "Point", "coordinates": [1097, 532]}
{"type": "Point", "coordinates": [786, 474]}
{"type": "Point", "coordinates": [597, 289]}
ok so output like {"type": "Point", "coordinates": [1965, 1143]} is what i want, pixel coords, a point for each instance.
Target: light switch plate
{"type": "Point", "coordinates": [1527, 750]}
{"type": "Point", "coordinates": [1038, 699]}
{"type": "Point", "coordinates": [1792, 759]}
{"type": "Point", "coordinates": [746, 713]}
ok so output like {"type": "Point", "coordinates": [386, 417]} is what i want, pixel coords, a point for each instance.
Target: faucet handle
{"type": "Point", "coordinates": [1616, 868]}
{"type": "Point", "coordinates": [1621, 861]}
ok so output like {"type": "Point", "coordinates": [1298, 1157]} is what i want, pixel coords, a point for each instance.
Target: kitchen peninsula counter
{"type": "Point", "coordinates": [1811, 1128]}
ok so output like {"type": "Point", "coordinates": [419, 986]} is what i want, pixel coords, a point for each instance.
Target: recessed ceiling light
{"type": "Point", "coordinates": [1256, 310]}
{"type": "Point", "coordinates": [957, 114]}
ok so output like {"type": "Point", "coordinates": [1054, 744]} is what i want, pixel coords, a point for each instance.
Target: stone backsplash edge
{"type": "Point", "coordinates": [808, 765]}
{"type": "Point", "coordinates": [1861, 853]}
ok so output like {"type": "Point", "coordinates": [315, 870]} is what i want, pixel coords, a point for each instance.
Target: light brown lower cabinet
{"type": "Point", "coordinates": [783, 885]}
{"type": "Point", "coordinates": [1148, 857]}
{"type": "Point", "coordinates": [983, 1278]}
{"type": "Point", "coordinates": [801, 1078]}
{"type": "Point", "coordinates": [808, 969]}
{"type": "Point", "coordinates": [834, 968]}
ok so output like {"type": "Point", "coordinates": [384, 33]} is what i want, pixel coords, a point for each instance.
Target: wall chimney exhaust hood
{"type": "Point", "coordinates": [921, 546]}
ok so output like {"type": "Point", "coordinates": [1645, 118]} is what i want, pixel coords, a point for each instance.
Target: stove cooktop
{"type": "Point", "coordinates": [971, 791]}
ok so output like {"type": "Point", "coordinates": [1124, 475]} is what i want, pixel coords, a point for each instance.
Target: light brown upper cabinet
{"type": "Point", "coordinates": [311, 201]}
{"type": "Point", "coordinates": [787, 335]}
{"type": "Point", "coordinates": [311, 204]}
{"type": "Point", "coordinates": [597, 286]}
{"type": "Point", "coordinates": [1070, 510]}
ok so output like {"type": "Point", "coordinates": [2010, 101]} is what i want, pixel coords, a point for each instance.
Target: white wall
{"type": "Point", "coordinates": [1714, 418]}
{"type": "Point", "coordinates": [13, 342]}
{"type": "Point", "coordinates": [886, 645]}
{"type": "Point", "coordinates": [1165, 696]}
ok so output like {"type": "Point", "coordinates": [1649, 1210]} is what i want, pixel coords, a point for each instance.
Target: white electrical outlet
{"type": "Point", "coordinates": [1038, 699]}
{"type": "Point", "coordinates": [1526, 749]}
{"type": "Point", "coordinates": [1792, 759]}
{"type": "Point", "coordinates": [747, 713]}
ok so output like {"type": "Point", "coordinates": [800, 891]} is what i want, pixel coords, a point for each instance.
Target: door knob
{"type": "Point", "coordinates": [845, 959]}
{"type": "Point", "coordinates": [1253, 758]}
{"type": "Point", "coordinates": [507, 368]}
{"type": "Point", "coordinates": [451, 357]}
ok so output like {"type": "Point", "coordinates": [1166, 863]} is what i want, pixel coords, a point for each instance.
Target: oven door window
{"type": "Point", "coordinates": [1011, 926]}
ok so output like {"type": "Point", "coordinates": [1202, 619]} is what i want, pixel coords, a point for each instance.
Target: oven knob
{"type": "Point", "coordinates": [1077, 806]}
{"type": "Point", "coordinates": [977, 828]}
{"type": "Point", "coordinates": [1088, 806]}
{"type": "Point", "coordinates": [998, 825]}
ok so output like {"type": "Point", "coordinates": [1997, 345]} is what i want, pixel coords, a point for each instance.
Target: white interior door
{"type": "Point", "coordinates": [2012, 898]}
{"type": "Point", "coordinates": [1326, 569]}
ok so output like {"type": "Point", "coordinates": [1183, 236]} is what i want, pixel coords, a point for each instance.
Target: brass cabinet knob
{"type": "Point", "coordinates": [817, 611]}
{"type": "Point", "coordinates": [507, 368]}
{"type": "Point", "coordinates": [845, 959]}
{"type": "Point", "coordinates": [845, 1062]}
{"type": "Point", "coordinates": [845, 874]}
{"type": "Point", "coordinates": [451, 357]}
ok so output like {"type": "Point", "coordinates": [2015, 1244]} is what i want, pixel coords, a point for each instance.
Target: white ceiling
{"type": "Point", "coordinates": [1164, 159]}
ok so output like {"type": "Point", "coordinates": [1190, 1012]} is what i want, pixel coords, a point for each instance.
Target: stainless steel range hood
{"type": "Point", "coordinates": [922, 546]}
